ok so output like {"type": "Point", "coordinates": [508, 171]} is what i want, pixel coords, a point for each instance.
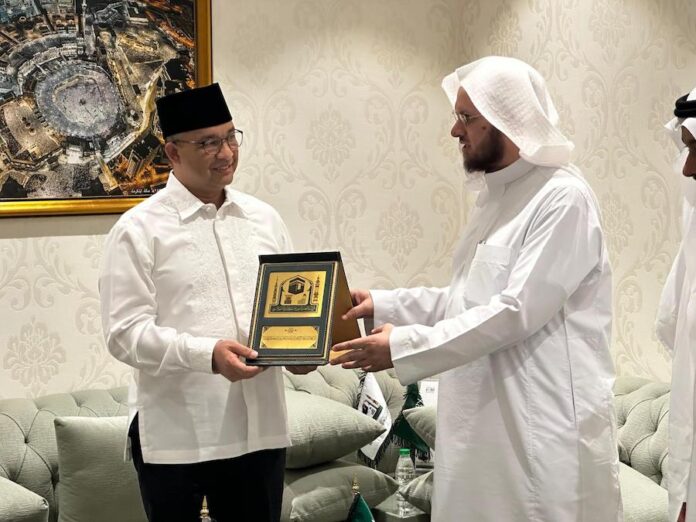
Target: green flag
{"type": "Point", "coordinates": [359, 510]}
{"type": "Point", "coordinates": [402, 432]}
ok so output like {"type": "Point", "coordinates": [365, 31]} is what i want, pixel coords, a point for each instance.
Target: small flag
{"type": "Point", "coordinates": [403, 433]}
{"type": "Point", "coordinates": [359, 510]}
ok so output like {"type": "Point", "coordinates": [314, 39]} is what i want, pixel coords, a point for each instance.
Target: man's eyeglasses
{"type": "Point", "coordinates": [465, 119]}
{"type": "Point", "coordinates": [213, 146]}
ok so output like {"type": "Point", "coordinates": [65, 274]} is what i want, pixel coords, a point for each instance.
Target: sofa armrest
{"type": "Point", "coordinates": [643, 499]}
{"type": "Point", "coordinates": [21, 505]}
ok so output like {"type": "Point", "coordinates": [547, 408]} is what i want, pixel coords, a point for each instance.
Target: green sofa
{"type": "Point", "coordinates": [30, 484]}
{"type": "Point", "coordinates": [32, 489]}
{"type": "Point", "coordinates": [641, 410]}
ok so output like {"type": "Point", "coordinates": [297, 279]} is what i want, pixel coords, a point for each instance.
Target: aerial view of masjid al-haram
{"type": "Point", "coordinates": [78, 81]}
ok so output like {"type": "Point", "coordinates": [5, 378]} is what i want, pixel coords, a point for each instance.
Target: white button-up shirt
{"type": "Point", "coordinates": [525, 428]}
{"type": "Point", "coordinates": [177, 276]}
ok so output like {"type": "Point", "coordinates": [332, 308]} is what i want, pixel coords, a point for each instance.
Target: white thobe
{"type": "Point", "coordinates": [676, 328]}
{"type": "Point", "coordinates": [526, 428]}
{"type": "Point", "coordinates": [177, 276]}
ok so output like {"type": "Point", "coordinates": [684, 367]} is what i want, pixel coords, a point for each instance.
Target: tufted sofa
{"type": "Point", "coordinates": [29, 463]}
{"type": "Point", "coordinates": [642, 411]}
{"type": "Point", "coordinates": [29, 457]}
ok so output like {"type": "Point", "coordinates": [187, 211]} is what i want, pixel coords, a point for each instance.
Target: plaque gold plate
{"type": "Point", "coordinates": [298, 308]}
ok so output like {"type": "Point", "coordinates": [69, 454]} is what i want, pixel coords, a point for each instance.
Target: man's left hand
{"type": "Point", "coordinates": [371, 353]}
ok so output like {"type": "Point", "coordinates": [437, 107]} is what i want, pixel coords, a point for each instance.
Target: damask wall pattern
{"type": "Point", "coordinates": [347, 135]}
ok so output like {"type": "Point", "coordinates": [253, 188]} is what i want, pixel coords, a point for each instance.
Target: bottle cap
{"type": "Point", "coordinates": [405, 451]}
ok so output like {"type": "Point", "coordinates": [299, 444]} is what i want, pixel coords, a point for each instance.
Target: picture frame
{"type": "Point", "coordinates": [78, 81]}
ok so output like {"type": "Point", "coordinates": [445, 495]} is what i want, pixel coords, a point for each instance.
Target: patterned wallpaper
{"type": "Point", "coordinates": [347, 135]}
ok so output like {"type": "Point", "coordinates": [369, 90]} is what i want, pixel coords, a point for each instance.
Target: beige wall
{"type": "Point", "coordinates": [347, 134]}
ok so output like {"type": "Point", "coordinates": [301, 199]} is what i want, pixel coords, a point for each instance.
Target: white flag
{"type": "Point", "coordinates": [372, 403]}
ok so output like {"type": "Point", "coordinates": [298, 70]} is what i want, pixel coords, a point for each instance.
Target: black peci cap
{"type": "Point", "coordinates": [192, 109]}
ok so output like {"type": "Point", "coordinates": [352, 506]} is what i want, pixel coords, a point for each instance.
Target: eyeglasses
{"type": "Point", "coordinates": [465, 119]}
{"type": "Point", "coordinates": [213, 146]}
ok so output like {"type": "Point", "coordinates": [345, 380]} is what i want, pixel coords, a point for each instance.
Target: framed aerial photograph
{"type": "Point", "coordinates": [78, 83]}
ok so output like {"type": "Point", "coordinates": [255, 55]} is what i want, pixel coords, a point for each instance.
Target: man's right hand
{"type": "Point", "coordinates": [228, 363]}
{"type": "Point", "coordinates": [362, 305]}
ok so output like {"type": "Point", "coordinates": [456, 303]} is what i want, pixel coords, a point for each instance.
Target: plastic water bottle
{"type": "Point", "coordinates": [404, 474]}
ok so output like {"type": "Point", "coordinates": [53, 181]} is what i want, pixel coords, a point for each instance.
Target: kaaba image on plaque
{"type": "Point", "coordinates": [299, 301]}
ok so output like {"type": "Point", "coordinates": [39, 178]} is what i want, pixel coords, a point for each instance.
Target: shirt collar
{"type": "Point", "coordinates": [507, 175]}
{"type": "Point", "coordinates": [187, 204]}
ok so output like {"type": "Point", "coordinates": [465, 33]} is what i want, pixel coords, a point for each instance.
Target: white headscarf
{"type": "Point", "coordinates": [513, 97]}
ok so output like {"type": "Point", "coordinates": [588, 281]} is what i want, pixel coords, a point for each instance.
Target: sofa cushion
{"type": "Point", "coordinates": [95, 482]}
{"type": "Point", "coordinates": [323, 430]}
{"type": "Point", "coordinates": [643, 500]}
{"type": "Point", "coordinates": [323, 493]}
{"type": "Point", "coordinates": [423, 420]}
{"type": "Point", "coordinates": [21, 505]}
{"type": "Point", "coordinates": [419, 491]}
{"type": "Point", "coordinates": [28, 454]}
{"type": "Point", "coordinates": [343, 385]}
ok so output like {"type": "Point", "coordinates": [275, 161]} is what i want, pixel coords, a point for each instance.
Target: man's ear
{"type": "Point", "coordinates": [172, 152]}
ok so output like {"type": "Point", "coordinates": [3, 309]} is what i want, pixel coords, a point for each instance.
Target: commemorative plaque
{"type": "Point", "coordinates": [299, 301]}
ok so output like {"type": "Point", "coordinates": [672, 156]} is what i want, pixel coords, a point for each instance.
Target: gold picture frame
{"type": "Point", "coordinates": [202, 65]}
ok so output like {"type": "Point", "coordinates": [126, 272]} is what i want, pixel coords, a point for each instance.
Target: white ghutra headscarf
{"type": "Point", "coordinates": [513, 97]}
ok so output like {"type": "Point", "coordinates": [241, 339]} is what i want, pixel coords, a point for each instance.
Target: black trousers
{"type": "Point", "coordinates": [248, 488]}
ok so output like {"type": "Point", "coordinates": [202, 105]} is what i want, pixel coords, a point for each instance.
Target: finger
{"type": "Point", "coordinates": [356, 312]}
{"type": "Point", "coordinates": [242, 350]}
{"type": "Point", "coordinates": [245, 370]}
{"type": "Point", "coordinates": [236, 364]}
{"type": "Point", "coordinates": [377, 329]}
{"type": "Point", "coordinates": [357, 296]}
{"type": "Point", "coordinates": [355, 344]}
{"type": "Point", "coordinates": [353, 355]}
{"type": "Point", "coordinates": [252, 371]}
{"type": "Point", "coordinates": [352, 365]}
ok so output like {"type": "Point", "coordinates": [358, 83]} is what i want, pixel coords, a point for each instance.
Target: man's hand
{"type": "Point", "coordinates": [371, 353]}
{"type": "Point", "coordinates": [682, 514]}
{"type": "Point", "coordinates": [362, 305]}
{"type": "Point", "coordinates": [300, 370]}
{"type": "Point", "coordinates": [227, 361]}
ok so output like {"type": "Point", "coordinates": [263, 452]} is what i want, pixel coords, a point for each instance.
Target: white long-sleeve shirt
{"type": "Point", "coordinates": [177, 276]}
{"type": "Point", "coordinates": [526, 428]}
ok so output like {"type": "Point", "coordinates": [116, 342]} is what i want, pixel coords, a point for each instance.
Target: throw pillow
{"type": "Point", "coordinates": [422, 420]}
{"type": "Point", "coordinates": [419, 491]}
{"type": "Point", "coordinates": [642, 498]}
{"type": "Point", "coordinates": [20, 504]}
{"type": "Point", "coordinates": [95, 482]}
{"type": "Point", "coordinates": [323, 430]}
{"type": "Point", "coordinates": [323, 493]}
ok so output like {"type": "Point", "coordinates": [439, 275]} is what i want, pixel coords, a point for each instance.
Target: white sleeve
{"type": "Point", "coordinates": [667, 310]}
{"type": "Point", "coordinates": [129, 312]}
{"type": "Point", "coordinates": [538, 286]}
{"type": "Point", "coordinates": [409, 305]}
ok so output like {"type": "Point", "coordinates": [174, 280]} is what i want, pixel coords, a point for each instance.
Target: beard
{"type": "Point", "coordinates": [487, 155]}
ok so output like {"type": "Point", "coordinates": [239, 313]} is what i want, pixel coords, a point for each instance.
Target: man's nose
{"type": "Point", "coordinates": [458, 130]}
{"type": "Point", "coordinates": [226, 150]}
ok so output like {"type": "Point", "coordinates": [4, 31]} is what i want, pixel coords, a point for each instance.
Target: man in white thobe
{"type": "Point", "coordinates": [526, 428]}
{"type": "Point", "coordinates": [676, 326]}
{"type": "Point", "coordinates": [177, 287]}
